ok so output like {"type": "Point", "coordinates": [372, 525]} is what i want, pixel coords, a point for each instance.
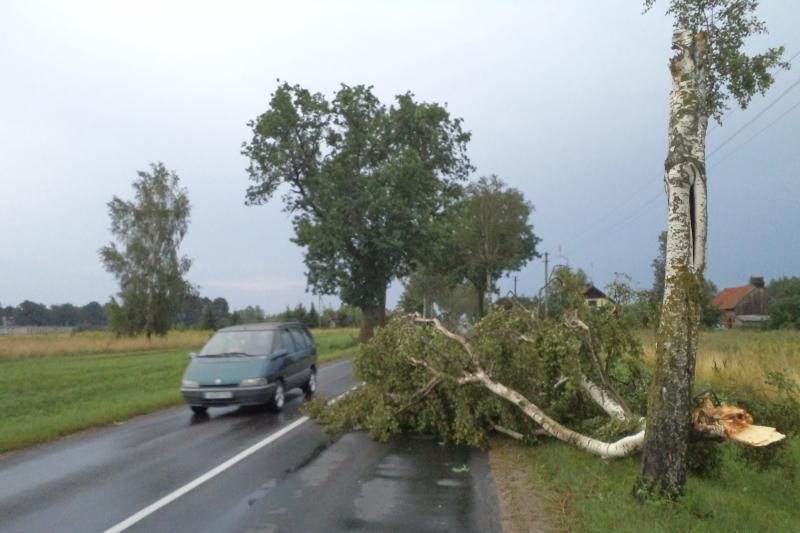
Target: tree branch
{"type": "Point", "coordinates": [449, 334]}
{"type": "Point", "coordinates": [573, 321]}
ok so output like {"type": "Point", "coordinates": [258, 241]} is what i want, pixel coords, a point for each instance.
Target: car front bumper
{"type": "Point", "coordinates": [238, 395]}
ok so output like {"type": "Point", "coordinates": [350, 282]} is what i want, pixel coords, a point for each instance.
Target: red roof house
{"type": "Point", "coordinates": [743, 306]}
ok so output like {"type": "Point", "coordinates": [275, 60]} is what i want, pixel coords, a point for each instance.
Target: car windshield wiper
{"type": "Point", "coordinates": [227, 354]}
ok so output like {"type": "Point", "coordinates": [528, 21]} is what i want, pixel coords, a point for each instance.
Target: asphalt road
{"type": "Point", "coordinates": [244, 470]}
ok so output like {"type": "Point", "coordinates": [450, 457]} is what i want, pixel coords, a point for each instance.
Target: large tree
{"type": "Point", "coordinates": [491, 235]}
{"type": "Point", "coordinates": [784, 306]}
{"type": "Point", "coordinates": [363, 180]}
{"type": "Point", "coordinates": [708, 68]}
{"type": "Point", "coordinates": [147, 263]}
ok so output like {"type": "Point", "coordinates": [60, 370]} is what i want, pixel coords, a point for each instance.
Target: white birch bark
{"type": "Point", "coordinates": [670, 403]}
{"type": "Point", "coordinates": [603, 399]}
{"type": "Point", "coordinates": [606, 450]}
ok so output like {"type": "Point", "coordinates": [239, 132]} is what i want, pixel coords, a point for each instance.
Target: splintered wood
{"type": "Point", "coordinates": [734, 423]}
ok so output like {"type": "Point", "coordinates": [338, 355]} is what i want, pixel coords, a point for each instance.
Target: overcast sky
{"type": "Point", "coordinates": [566, 101]}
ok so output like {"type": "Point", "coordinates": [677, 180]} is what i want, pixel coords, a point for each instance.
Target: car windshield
{"type": "Point", "coordinates": [238, 343]}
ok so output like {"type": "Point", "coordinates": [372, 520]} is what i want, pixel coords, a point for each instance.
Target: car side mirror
{"type": "Point", "coordinates": [192, 355]}
{"type": "Point", "coordinates": [280, 353]}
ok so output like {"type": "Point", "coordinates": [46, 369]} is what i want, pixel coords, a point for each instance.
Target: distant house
{"type": "Point", "coordinates": [742, 307]}
{"type": "Point", "coordinates": [595, 297]}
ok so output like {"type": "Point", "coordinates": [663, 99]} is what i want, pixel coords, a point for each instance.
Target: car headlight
{"type": "Point", "coordinates": [253, 382]}
{"type": "Point", "coordinates": [189, 384]}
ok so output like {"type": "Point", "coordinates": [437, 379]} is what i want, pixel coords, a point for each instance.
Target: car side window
{"type": "Point", "coordinates": [286, 341]}
{"type": "Point", "coordinates": [299, 339]}
{"type": "Point", "coordinates": [308, 337]}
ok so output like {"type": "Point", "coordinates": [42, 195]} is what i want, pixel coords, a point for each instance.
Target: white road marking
{"type": "Point", "coordinates": [214, 472]}
{"type": "Point", "coordinates": [334, 365]}
{"type": "Point", "coordinates": [171, 497]}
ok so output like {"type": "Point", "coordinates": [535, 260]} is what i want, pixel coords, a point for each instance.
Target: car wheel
{"type": "Point", "coordinates": [199, 409]}
{"type": "Point", "coordinates": [310, 386]}
{"type": "Point", "coordinates": [279, 398]}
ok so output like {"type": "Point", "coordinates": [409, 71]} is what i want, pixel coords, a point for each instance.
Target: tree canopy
{"type": "Point", "coordinates": [486, 234]}
{"type": "Point", "coordinates": [364, 181]}
{"type": "Point", "coordinates": [784, 307]}
{"type": "Point", "coordinates": [147, 263]}
{"type": "Point", "coordinates": [726, 25]}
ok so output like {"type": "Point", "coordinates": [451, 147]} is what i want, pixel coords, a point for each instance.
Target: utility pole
{"type": "Point", "coordinates": [546, 287]}
{"type": "Point", "coordinates": [515, 286]}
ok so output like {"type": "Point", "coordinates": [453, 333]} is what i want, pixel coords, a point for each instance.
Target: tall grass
{"type": "Point", "coordinates": [95, 342]}
{"type": "Point", "coordinates": [740, 357]}
{"type": "Point", "coordinates": [92, 342]}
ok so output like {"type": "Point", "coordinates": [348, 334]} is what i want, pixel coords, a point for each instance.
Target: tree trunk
{"type": "Point", "coordinates": [374, 315]}
{"type": "Point", "coordinates": [670, 398]}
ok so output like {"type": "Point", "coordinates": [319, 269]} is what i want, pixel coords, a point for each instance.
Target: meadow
{"type": "Point", "coordinates": [571, 490]}
{"type": "Point", "coordinates": [53, 386]}
{"type": "Point", "coordinates": [739, 357]}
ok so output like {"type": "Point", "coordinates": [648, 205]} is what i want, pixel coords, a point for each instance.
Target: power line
{"type": "Point", "coordinates": [760, 113]}
{"type": "Point", "coordinates": [759, 132]}
{"type": "Point", "coordinates": [591, 230]}
{"type": "Point", "coordinates": [607, 230]}
{"type": "Point", "coordinates": [788, 62]}
{"type": "Point", "coordinates": [611, 212]}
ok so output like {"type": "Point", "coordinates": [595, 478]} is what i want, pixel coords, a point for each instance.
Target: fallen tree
{"type": "Point", "coordinates": [522, 376]}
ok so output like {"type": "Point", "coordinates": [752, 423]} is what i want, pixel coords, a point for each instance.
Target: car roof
{"type": "Point", "coordinates": [261, 326]}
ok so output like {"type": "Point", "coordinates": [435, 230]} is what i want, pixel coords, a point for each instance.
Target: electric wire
{"type": "Point", "coordinates": [608, 214]}
{"type": "Point", "coordinates": [638, 211]}
{"type": "Point", "coordinates": [789, 62]}
{"type": "Point", "coordinates": [758, 115]}
{"type": "Point", "coordinates": [756, 134]}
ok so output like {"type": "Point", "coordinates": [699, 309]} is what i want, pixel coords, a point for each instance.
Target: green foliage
{"type": "Point", "coordinates": [485, 235]}
{"type": "Point", "coordinates": [425, 289]}
{"type": "Point", "coordinates": [207, 320]}
{"type": "Point", "coordinates": [659, 266]}
{"type": "Point", "coordinates": [250, 315]}
{"type": "Point", "coordinates": [704, 458]}
{"type": "Point", "coordinates": [784, 307]}
{"type": "Point", "coordinates": [147, 265]}
{"type": "Point", "coordinates": [732, 73]}
{"type": "Point", "coordinates": [399, 395]}
{"type": "Point", "coordinates": [194, 306]}
{"type": "Point", "coordinates": [778, 405]}
{"type": "Point", "coordinates": [365, 181]}
{"type": "Point", "coordinates": [565, 290]}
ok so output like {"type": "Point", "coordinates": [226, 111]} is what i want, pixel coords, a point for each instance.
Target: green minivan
{"type": "Point", "coordinates": [253, 364]}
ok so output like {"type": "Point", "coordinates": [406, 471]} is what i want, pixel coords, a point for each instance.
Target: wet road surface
{"type": "Point", "coordinates": [97, 480]}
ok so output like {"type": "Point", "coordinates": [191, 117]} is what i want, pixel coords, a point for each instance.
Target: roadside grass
{"type": "Point", "coordinates": [89, 342]}
{"type": "Point", "coordinates": [577, 491]}
{"type": "Point", "coordinates": [47, 396]}
{"type": "Point", "coordinates": [335, 344]}
{"type": "Point", "coordinates": [580, 492]}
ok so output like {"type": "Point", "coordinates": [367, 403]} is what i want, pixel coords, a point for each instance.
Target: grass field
{"type": "Point", "coordinates": [73, 385]}
{"type": "Point", "coordinates": [740, 357]}
{"type": "Point", "coordinates": [576, 491]}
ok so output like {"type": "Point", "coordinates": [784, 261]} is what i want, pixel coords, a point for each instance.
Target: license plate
{"type": "Point", "coordinates": [218, 395]}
